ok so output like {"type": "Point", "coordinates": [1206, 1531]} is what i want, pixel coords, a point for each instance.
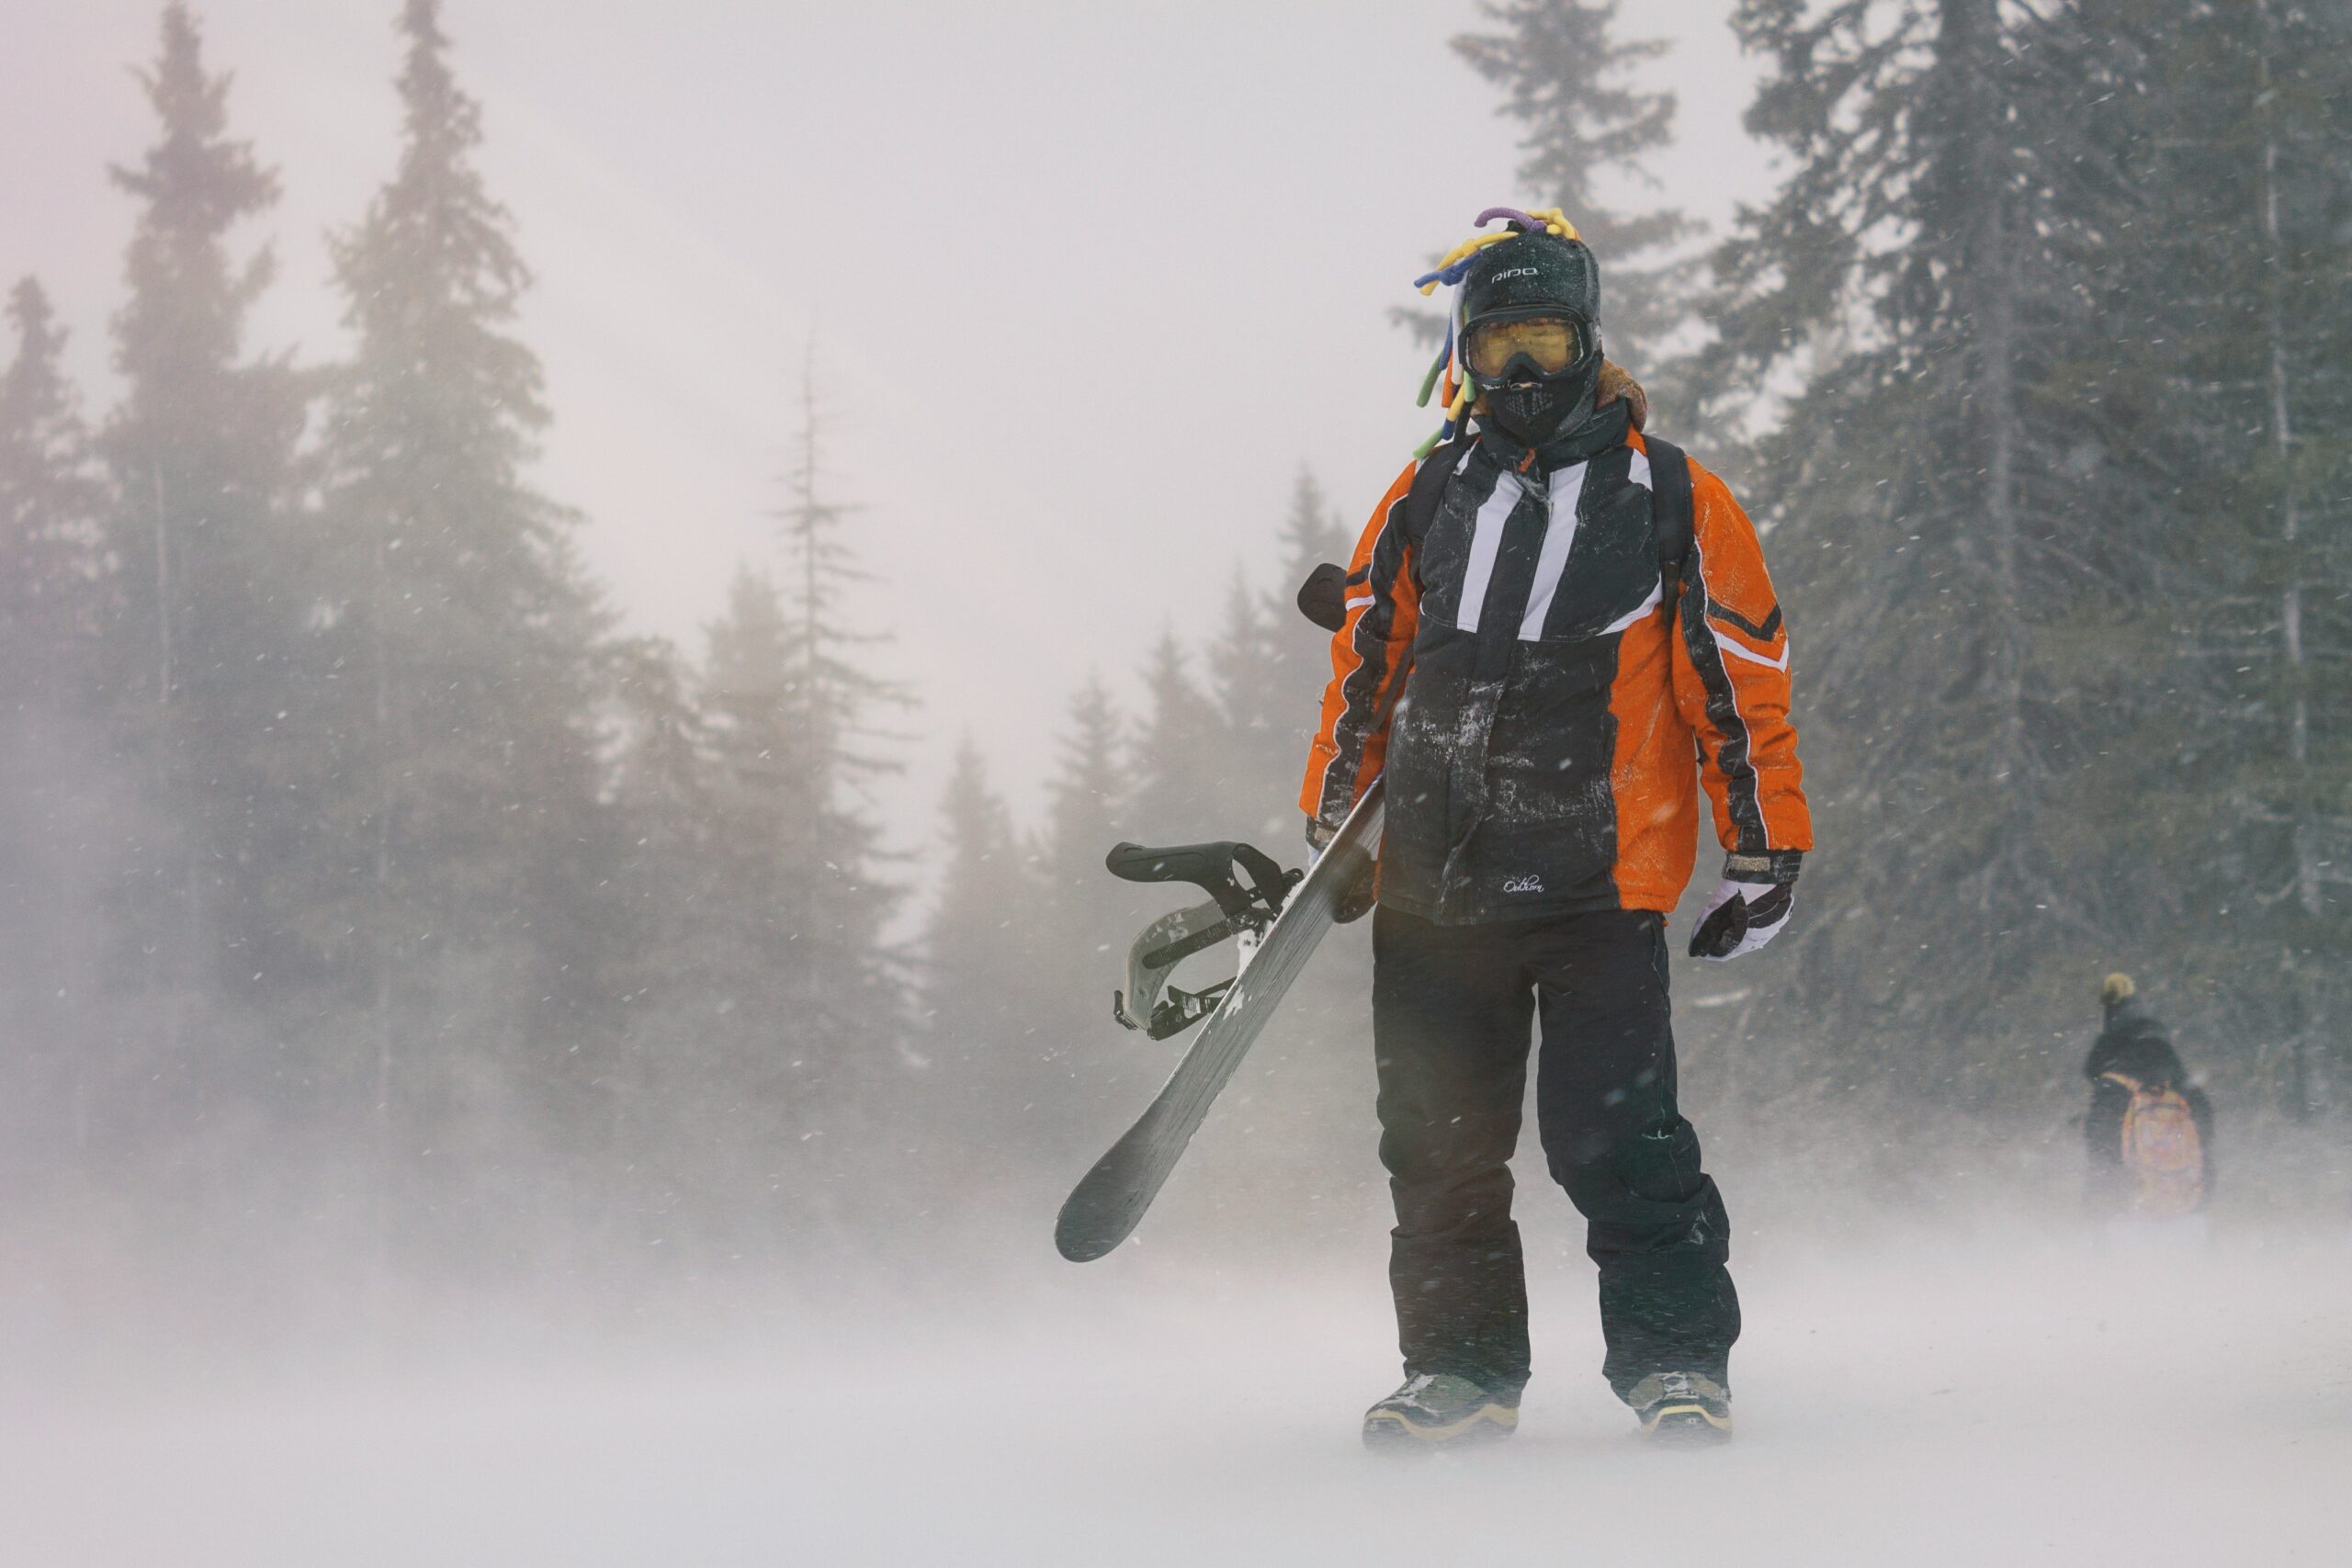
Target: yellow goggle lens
{"type": "Point", "coordinates": [1550, 343]}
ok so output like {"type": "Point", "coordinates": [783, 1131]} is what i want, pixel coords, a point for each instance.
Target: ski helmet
{"type": "Point", "coordinates": [1556, 291]}
{"type": "Point", "coordinates": [1531, 332]}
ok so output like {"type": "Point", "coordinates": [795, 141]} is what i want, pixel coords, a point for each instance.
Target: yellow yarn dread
{"type": "Point", "coordinates": [1550, 219]}
{"type": "Point", "coordinates": [1450, 270]}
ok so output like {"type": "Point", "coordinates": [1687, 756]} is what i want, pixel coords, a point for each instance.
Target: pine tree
{"type": "Point", "coordinates": [54, 859]}
{"type": "Point", "coordinates": [978, 1002]}
{"type": "Point", "coordinates": [1259, 694]}
{"type": "Point", "coordinates": [1938, 532]}
{"type": "Point", "coordinates": [2296, 104]}
{"type": "Point", "coordinates": [1079, 1078]}
{"type": "Point", "coordinates": [207, 632]}
{"type": "Point", "coordinates": [655, 783]}
{"type": "Point", "coordinates": [1183, 758]}
{"type": "Point", "coordinates": [1312, 535]}
{"type": "Point", "coordinates": [2233, 317]}
{"type": "Point", "coordinates": [801, 1011]}
{"type": "Point", "coordinates": [1275, 706]}
{"type": "Point", "coordinates": [759, 987]}
{"type": "Point", "coordinates": [461, 846]}
{"type": "Point", "coordinates": [1082, 910]}
{"type": "Point", "coordinates": [971, 953]}
{"type": "Point", "coordinates": [833, 701]}
{"type": "Point", "coordinates": [1086, 801]}
{"type": "Point", "coordinates": [50, 506]}
{"type": "Point", "coordinates": [1565, 79]}
{"type": "Point", "coordinates": [658, 789]}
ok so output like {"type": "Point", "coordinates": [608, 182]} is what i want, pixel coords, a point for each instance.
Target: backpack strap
{"type": "Point", "coordinates": [1428, 486]}
{"type": "Point", "coordinates": [1322, 598]}
{"type": "Point", "coordinates": [1671, 506]}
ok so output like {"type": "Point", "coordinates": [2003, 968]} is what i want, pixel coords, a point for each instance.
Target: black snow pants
{"type": "Point", "coordinates": [1451, 1011]}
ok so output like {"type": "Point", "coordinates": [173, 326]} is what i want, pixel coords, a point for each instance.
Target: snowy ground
{"type": "Point", "coordinates": [2008, 1402]}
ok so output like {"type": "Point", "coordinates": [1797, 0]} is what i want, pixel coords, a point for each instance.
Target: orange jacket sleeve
{"type": "Point", "coordinates": [1371, 654]}
{"type": "Point", "coordinates": [1731, 682]}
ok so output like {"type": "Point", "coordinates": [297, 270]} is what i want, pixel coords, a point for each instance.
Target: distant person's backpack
{"type": "Point", "coordinates": [2161, 1148]}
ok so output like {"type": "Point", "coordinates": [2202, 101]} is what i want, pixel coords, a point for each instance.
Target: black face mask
{"type": "Point", "coordinates": [1534, 409]}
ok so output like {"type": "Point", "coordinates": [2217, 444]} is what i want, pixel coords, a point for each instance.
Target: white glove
{"type": "Point", "coordinates": [1742, 917]}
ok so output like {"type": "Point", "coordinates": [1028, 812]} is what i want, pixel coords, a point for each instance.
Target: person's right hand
{"type": "Point", "coordinates": [1356, 899]}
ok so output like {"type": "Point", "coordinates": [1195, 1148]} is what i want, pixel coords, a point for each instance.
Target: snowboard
{"type": "Point", "coordinates": [1106, 1205]}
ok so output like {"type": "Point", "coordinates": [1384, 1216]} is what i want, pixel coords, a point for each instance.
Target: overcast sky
{"type": "Point", "coordinates": [1088, 283]}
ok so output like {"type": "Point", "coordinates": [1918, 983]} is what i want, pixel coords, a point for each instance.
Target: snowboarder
{"type": "Point", "coordinates": [2149, 1131]}
{"type": "Point", "coordinates": [1556, 631]}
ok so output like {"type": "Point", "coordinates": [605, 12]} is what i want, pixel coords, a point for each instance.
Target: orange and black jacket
{"type": "Point", "coordinates": [1543, 710]}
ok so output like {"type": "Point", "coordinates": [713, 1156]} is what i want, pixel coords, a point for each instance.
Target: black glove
{"type": "Point", "coordinates": [1356, 899]}
{"type": "Point", "coordinates": [1323, 597]}
{"type": "Point", "coordinates": [1750, 907]}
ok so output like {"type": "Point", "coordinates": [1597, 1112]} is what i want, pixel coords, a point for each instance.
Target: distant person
{"type": "Point", "coordinates": [2149, 1131]}
{"type": "Point", "coordinates": [1558, 645]}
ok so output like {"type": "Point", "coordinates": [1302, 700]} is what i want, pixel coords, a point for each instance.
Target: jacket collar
{"type": "Point", "coordinates": [1599, 431]}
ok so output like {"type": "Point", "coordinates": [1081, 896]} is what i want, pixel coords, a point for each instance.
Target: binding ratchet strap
{"type": "Point", "coordinates": [1149, 1002]}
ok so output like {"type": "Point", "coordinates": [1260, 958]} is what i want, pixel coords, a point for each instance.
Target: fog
{"type": "Point", "coordinates": [584, 588]}
{"type": "Point", "coordinates": [1103, 326]}
{"type": "Point", "coordinates": [1908, 1397]}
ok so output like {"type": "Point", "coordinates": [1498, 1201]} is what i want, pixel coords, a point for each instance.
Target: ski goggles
{"type": "Point", "coordinates": [1544, 346]}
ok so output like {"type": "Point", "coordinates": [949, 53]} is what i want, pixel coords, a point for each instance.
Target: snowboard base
{"type": "Point", "coordinates": [1110, 1200]}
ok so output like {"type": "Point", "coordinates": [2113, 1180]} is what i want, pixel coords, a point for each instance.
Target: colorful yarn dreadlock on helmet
{"type": "Point", "coordinates": [1450, 271]}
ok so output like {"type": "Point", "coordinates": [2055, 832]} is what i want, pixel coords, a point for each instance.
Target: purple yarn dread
{"type": "Point", "coordinates": [1450, 271]}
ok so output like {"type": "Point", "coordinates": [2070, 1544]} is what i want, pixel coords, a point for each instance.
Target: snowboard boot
{"type": "Point", "coordinates": [1682, 1409]}
{"type": "Point", "coordinates": [1437, 1410]}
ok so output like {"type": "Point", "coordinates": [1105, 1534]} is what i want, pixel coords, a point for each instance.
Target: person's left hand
{"type": "Point", "coordinates": [1742, 917]}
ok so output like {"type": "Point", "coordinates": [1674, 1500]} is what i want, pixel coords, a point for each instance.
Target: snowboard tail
{"type": "Point", "coordinates": [1104, 1208]}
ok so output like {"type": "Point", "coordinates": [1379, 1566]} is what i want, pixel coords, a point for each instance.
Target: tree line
{"type": "Point", "coordinates": [341, 825]}
{"type": "Point", "coordinates": [343, 833]}
{"type": "Point", "coordinates": [2036, 368]}
{"type": "Point", "coordinates": [2033, 367]}
{"type": "Point", "coordinates": [346, 842]}
{"type": "Point", "coordinates": [2063, 502]}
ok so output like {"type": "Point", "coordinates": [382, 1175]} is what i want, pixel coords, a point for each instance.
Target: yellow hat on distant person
{"type": "Point", "coordinates": [2116, 987]}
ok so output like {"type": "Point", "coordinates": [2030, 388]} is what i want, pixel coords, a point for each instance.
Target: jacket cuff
{"type": "Point", "coordinates": [1769, 865]}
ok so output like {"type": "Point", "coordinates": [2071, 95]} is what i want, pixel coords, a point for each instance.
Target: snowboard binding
{"type": "Point", "coordinates": [1242, 912]}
